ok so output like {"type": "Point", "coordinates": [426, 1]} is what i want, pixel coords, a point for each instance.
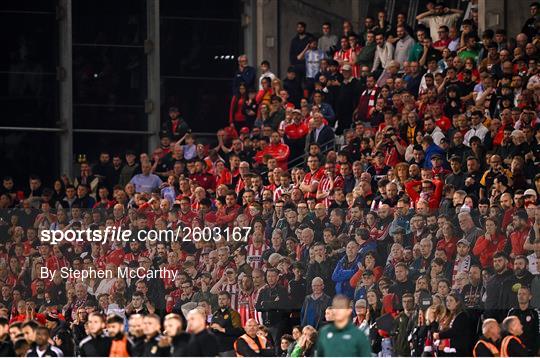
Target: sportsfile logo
{"type": "Point", "coordinates": [116, 234]}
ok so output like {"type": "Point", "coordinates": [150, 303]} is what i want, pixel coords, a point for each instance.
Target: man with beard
{"type": "Point", "coordinates": [529, 320]}
{"type": "Point", "coordinates": [121, 345]}
{"type": "Point", "coordinates": [226, 323]}
{"type": "Point", "coordinates": [495, 287]}
{"type": "Point", "coordinates": [96, 344]}
{"type": "Point", "coordinates": [521, 278]}
{"type": "Point", "coordinates": [381, 235]}
{"type": "Point", "coordinates": [135, 333]}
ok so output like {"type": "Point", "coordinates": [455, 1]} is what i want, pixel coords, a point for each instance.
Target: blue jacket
{"type": "Point", "coordinates": [433, 149]}
{"type": "Point", "coordinates": [313, 311]}
{"type": "Point", "coordinates": [365, 248]}
{"type": "Point", "coordinates": [342, 275]}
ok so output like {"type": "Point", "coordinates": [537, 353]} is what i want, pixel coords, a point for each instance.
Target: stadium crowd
{"type": "Point", "coordinates": [390, 183]}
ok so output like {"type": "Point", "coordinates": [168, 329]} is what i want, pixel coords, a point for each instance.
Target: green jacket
{"type": "Point", "coordinates": [347, 342]}
{"type": "Point", "coordinates": [416, 52]}
{"type": "Point", "coordinates": [366, 56]}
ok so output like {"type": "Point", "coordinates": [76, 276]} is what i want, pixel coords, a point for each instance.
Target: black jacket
{"type": "Point", "coordinates": [230, 320]}
{"type": "Point", "coordinates": [494, 293]}
{"type": "Point", "coordinates": [181, 128]}
{"type": "Point", "coordinates": [480, 349]}
{"type": "Point", "coordinates": [203, 344]}
{"type": "Point", "coordinates": [6, 348]}
{"type": "Point", "coordinates": [273, 303]}
{"type": "Point", "coordinates": [98, 346]}
{"type": "Point", "coordinates": [51, 351]}
{"type": "Point", "coordinates": [460, 334]}
{"type": "Point", "coordinates": [179, 344]}
{"type": "Point", "coordinates": [152, 348]}
{"type": "Point", "coordinates": [515, 349]}
{"type": "Point", "coordinates": [531, 327]}
{"type": "Point", "coordinates": [509, 294]}
{"type": "Point", "coordinates": [325, 139]}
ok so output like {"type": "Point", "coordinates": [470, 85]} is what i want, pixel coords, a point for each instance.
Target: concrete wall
{"type": "Point", "coordinates": [314, 13]}
{"type": "Point", "coordinates": [513, 13]}
{"type": "Point", "coordinates": [272, 43]}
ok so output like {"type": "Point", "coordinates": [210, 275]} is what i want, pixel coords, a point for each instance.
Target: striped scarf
{"type": "Point", "coordinates": [370, 102]}
{"type": "Point", "coordinates": [461, 265]}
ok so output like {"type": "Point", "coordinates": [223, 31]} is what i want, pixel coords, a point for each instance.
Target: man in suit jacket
{"type": "Point", "coordinates": [321, 134]}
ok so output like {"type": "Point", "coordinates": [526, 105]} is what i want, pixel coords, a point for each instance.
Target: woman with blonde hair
{"type": "Point", "coordinates": [401, 171]}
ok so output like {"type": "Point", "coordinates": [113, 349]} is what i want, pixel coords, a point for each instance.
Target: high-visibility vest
{"type": "Point", "coordinates": [251, 343]}
{"type": "Point", "coordinates": [119, 348]}
{"type": "Point", "coordinates": [505, 342]}
{"type": "Point", "coordinates": [492, 348]}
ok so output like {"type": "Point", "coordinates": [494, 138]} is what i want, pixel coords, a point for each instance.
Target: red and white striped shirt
{"type": "Point", "coordinates": [281, 190]}
{"type": "Point", "coordinates": [233, 289]}
{"type": "Point", "coordinates": [326, 186]}
{"type": "Point", "coordinates": [246, 306]}
{"type": "Point", "coordinates": [254, 255]}
{"type": "Point", "coordinates": [347, 57]}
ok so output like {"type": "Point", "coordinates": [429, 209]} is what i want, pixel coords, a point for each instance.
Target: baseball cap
{"type": "Point", "coordinates": [244, 130]}
{"type": "Point", "coordinates": [530, 192]}
{"type": "Point", "coordinates": [436, 156]}
{"type": "Point", "coordinates": [464, 242]}
{"type": "Point", "coordinates": [346, 67]}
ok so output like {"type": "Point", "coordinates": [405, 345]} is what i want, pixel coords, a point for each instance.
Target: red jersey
{"type": "Point", "coordinates": [246, 307]}
{"type": "Point", "coordinates": [278, 151]}
{"type": "Point", "coordinates": [313, 178]}
{"type": "Point", "coordinates": [296, 130]}
{"type": "Point", "coordinates": [187, 218]}
{"type": "Point", "coordinates": [444, 123]}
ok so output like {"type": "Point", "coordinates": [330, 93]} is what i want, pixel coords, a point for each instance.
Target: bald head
{"type": "Point", "coordinates": [491, 329]}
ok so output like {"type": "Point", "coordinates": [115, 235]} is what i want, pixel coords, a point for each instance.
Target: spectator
{"type": "Point", "coordinates": [298, 44]}
{"type": "Point", "coordinates": [315, 304]}
{"type": "Point", "coordinates": [244, 74]}
{"type": "Point", "coordinates": [439, 16]}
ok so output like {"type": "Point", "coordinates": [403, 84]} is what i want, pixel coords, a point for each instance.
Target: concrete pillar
{"type": "Point", "coordinates": [152, 50]}
{"type": "Point", "coordinates": [65, 77]}
{"type": "Point", "coordinates": [249, 28]}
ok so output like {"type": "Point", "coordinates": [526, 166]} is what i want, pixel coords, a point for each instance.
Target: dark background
{"type": "Point", "coordinates": [109, 74]}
